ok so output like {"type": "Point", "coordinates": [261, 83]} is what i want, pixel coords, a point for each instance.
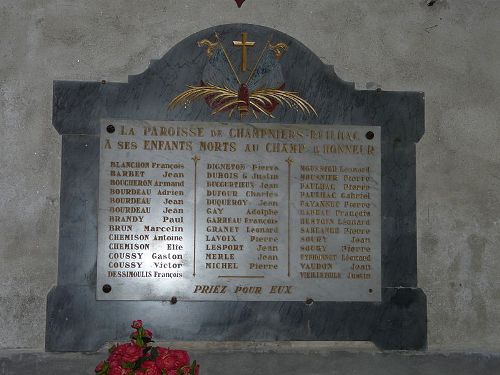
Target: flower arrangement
{"type": "Point", "coordinates": [139, 357]}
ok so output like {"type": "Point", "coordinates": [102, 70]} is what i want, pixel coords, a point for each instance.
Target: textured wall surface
{"type": "Point", "coordinates": [250, 362]}
{"type": "Point", "coordinates": [448, 50]}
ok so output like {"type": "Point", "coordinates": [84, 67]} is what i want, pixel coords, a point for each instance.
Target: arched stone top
{"type": "Point", "coordinates": [79, 105]}
{"type": "Point", "coordinates": [186, 54]}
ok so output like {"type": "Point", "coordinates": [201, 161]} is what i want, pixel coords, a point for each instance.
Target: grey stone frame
{"type": "Point", "coordinates": [77, 322]}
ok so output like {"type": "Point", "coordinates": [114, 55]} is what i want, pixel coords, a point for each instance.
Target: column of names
{"type": "Point", "coordinates": [206, 211]}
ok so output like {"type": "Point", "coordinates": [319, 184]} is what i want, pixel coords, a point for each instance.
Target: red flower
{"type": "Point", "coordinates": [136, 324]}
{"type": "Point", "coordinates": [125, 358]}
{"type": "Point", "coordinates": [171, 359]}
{"type": "Point", "coordinates": [116, 354]}
{"type": "Point", "coordinates": [117, 370]}
{"type": "Point", "coordinates": [131, 353]}
{"type": "Point", "coordinates": [126, 352]}
{"type": "Point", "coordinates": [149, 368]}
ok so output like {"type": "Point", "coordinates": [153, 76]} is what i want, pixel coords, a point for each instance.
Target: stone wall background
{"type": "Point", "coordinates": [449, 50]}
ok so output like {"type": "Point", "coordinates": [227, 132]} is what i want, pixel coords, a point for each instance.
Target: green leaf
{"type": "Point", "coordinates": [104, 370]}
{"type": "Point", "coordinates": [193, 368]}
{"type": "Point", "coordinates": [139, 341]}
{"type": "Point", "coordinates": [154, 353]}
{"type": "Point", "coordinates": [128, 364]}
{"type": "Point", "coordinates": [139, 362]}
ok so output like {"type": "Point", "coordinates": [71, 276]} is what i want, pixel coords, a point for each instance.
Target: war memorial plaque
{"type": "Point", "coordinates": [237, 189]}
{"type": "Point", "coordinates": [212, 211]}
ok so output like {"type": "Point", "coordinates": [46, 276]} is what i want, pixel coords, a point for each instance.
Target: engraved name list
{"type": "Point", "coordinates": [218, 211]}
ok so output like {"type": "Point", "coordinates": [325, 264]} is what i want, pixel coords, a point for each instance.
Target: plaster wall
{"type": "Point", "coordinates": [448, 50]}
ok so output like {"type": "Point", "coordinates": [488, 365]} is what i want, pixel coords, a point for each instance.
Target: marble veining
{"type": "Point", "coordinates": [399, 322]}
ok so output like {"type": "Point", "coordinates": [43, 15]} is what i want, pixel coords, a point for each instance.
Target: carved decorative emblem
{"type": "Point", "coordinates": [224, 90]}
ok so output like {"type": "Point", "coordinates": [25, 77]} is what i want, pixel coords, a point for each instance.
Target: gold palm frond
{"type": "Point", "coordinates": [290, 98]}
{"type": "Point", "coordinates": [259, 101]}
{"type": "Point", "coordinates": [221, 94]}
{"type": "Point", "coordinates": [210, 46]}
{"type": "Point", "coordinates": [278, 49]}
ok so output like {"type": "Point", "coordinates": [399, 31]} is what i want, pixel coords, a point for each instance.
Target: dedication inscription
{"type": "Point", "coordinates": [217, 211]}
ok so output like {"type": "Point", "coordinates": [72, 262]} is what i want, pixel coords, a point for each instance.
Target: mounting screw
{"type": "Point", "coordinates": [173, 300]}
{"type": "Point", "coordinates": [370, 290]}
{"type": "Point", "coordinates": [309, 301]}
{"type": "Point", "coordinates": [106, 288]}
{"type": "Point", "coordinates": [103, 82]}
{"type": "Point", "coordinates": [110, 128]}
{"type": "Point", "coordinates": [369, 135]}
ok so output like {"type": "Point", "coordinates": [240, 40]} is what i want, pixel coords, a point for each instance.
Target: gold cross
{"type": "Point", "coordinates": [243, 44]}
